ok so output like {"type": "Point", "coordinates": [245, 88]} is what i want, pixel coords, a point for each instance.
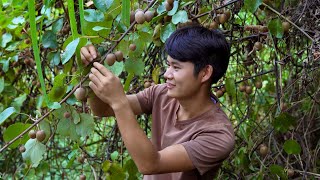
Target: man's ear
{"type": "Point", "coordinates": [206, 73]}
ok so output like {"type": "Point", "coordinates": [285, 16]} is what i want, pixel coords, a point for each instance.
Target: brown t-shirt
{"type": "Point", "coordinates": [207, 138]}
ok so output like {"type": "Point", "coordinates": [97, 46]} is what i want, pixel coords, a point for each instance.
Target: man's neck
{"type": "Point", "coordinates": [194, 106]}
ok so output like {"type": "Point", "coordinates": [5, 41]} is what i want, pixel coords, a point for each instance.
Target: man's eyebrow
{"type": "Point", "coordinates": [173, 62]}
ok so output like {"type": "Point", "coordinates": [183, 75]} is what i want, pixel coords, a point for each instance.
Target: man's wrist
{"type": "Point", "coordinates": [120, 104]}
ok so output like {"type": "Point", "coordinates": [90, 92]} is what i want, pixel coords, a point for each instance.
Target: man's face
{"type": "Point", "coordinates": [180, 80]}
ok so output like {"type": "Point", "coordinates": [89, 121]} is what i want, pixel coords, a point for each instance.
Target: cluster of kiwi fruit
{"type": "Point", "coordinates": [248, 89]}
{"type": "Point", "coordinates": [220, 91]}
{"type": "Point", "coordinates": [113, 57]}
{"type": "Point", "coordinates": [256, 28]}
{"type": "Point", "coordinates": [221, 18]}
{"type": "Point", "coordinates": [40, 135]}
{"type": "Point", "coordinates": [140, 17]}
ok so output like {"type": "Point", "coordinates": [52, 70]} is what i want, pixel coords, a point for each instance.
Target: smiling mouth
{"type": "Point", "coordinates": [170, 86]}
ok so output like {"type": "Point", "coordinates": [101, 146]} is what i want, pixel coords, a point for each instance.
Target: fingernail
{"type": "Point", "coordinates": [94, 56]}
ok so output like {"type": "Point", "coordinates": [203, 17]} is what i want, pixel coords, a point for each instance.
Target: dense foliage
{"type": "Point", "coordinates": [270, 92]}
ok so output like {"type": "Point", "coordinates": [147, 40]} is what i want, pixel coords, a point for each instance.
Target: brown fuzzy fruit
{"type": "Point", "coordinates": [223, 89]}
{"type": "Point", "coordinates": [285, 26]}
{"type": "Point", "coordinates": [132, 47]}
{"type": "Point", "coordinates": [82, 177]}
{"type": "Point", "coordinates": [213, 25]}
{"type": "Point", "coordinates": [257, 46]}
{"type": "Point", "coordinates": [132, 14]}
{"type": "Point", "coordinates": [223, 18]}
{"type": "Point", "coordinates": [119, 55]}
{"type": "Point", "coordinates": [147, 84]}
{"type": "Point", "coordinates": [148, 15]}
{"type": "Point", "coordinates": [22, 149]}
{"type": "Point", "coordinates": [80, 159]}
{"type": "Point", "coordinates": [283, 106]}
{"type": "Point", "coordinates": [249, 89]}
{"type": "Point", "coordinates": [290, 172]}
{"type": "Point", "coordinates": [228, 14]}
{"type": "Point", "coordinates": [97, 106]}
{"type": "Point", "coordinates": [263, 150]}
{"type": "Point", "coordinates": [242, 88]}
{"type": "Point", "coordinates": [66, 114]}
{"type": "Point", "coordinates": [258, 84]}
{"type": "Point", "coordinates": [41, 135]}
{"type": "Point", "coordinates": [219, 93]}
{"type": "Point", "coordinates": [168, 6]}
{"type": "Point", "coordinates": [110, 59]}
{"type": "Point", "coordinates": [81, 94]}
{"type": "Point", "coordinates": [170, 1]}
{"type": "Point", "coordinates": [167, 18]}
{"type": "Point", "coordinates": [139, 17]}
{"type": "Point", "coordinates": [32, 134]}
{"type": "Point", "coordinates": [263, 29]}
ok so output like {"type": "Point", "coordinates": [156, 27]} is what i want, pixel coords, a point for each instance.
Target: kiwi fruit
{"type": "Point", "coordinates": [290, 172]}
{"type": "Point", "coordinates": [213, 25]}
{"type": "Point", "coordinates": [80, 159]}
{"type": "Point", "coordinates": [219, 93]}
{"type": "Point", "coordinates": [222, 18]}
{"type": "Point", "coordinates": [242, 88]}
{"type": "Point", "coordinates": [110, 59]}
{"type": "Point", "coordinates": [285, 26]}
{"type": "Point", "coordinates": [97, 106]}
{"type": "Point", "coordinates": [82, 177]}
{"type": "Point", "coordinates": [148, 15]}
{"type": "Point", "coordinates": [81, 94]}
{"type": "Point", "coordinates": [119, 55]}
{"type": "Point", "coordinates": [258, 84]}
{"type": "Point", "coordinates": [147, 84]}
{"type": "Point", "coordinates": [32, 134]}
{"type": "Point", "coordinates": [263, 150]}
{"type": "Point", "coordinates": [132, 17]}
{"type": "Point", "coordinates": [223, 89]}
{"type": "Point", "coordinates": [167, 19]}
{"type": "Point", "coordinates": [66, 115]}
{"type": "Point", "coordinates": [170, 1]}
{"type": "Point", "coordinates": [263, 29]}
{"type": "Point", "coordinates": [41, 135]}
{"type": "Point", "coordinates": [168, 6]}
{"type": "Point", "coordinates": [132, 47]}
{"type": "Point", "coordinates": [22, 149]}
{"type": "Point", "coordinates": [258, 45]}
{"type": "Point", "coordinates": [228, 14]}
{"type": "Point", "coordinates": [139, 17]}
{"type": "Point", "coordinates": [248, 90]}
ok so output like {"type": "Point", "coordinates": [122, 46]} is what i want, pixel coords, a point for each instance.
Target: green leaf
{"type": "Point", "coordinates": [105, 166]}
{"type": "Point", "coordinates": [155, 74]}
{"type": "Point", "coordinates": [131, 168]}
{"type": "Point", "coordinates": [70, 50]}
{"type": "Point", "coordinates": [13, 131]}
{"type": "Point", "coordinates": [54, 57]}
{"type": "Point", "coordinates": [292, 147]}
{"type": "Point", "coordinates": [275, 28]}
{"type": "Point", "coordinates": [59, 88]}
{"type": "Point", "coordinates": [116, 172]}
{"type": "Point", "coordinates": [174, 9]}
{"type": "Point", "coordinates": [6, 113]}
{"type": "Point", "coordinates": [18, 102]}
{"type": "Point", "coordinates": [116, 68]}
{"type": "Point", "coordinates": [125, 12]}
{"type": "Point", "coordinates": [34, 151]}
{"type": "Point", "coordinates": [114, 156]}
{"type": "Point", "coordinates": [134, 66]}
{"type": "Point", "coordinates": [6, 37]}
{"type": "Point", "coordinates": [284, 122]}
{"type": "Point", "coordinates": [86, 125]}
{"type": "Point", "coordinates": [252, 5]}
{"type": "Point", "coordinates": [1, 84]}
{"type": "Point", "coordinates": [230, 86]}
{"type": "Point", "coordinates": [92, 15]}
{"type": "Point", "coordinates": [103, 5]}
{"type": "Point", "coordinates": [278, 170]}
{"type": "Point", "coordinates": [57, 26]}
{"type": "Point", "coordinates": [45, 126]}
{"type": "Point", "coordinates": [49, 40]}
{"type": "Point", "coordinates": [99, 28]}
{"type": "Point", "coordinates": [66, 128]}
{"type": "Point", "coordinates": [180, 17]}
{"type": "Point", "coordinates": [167, 31]}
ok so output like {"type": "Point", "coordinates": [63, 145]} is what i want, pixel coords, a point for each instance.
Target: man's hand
{"type": "Point", "coordinates": [107, 86]}
{"type": "Point", "coordinates": [88, 54]}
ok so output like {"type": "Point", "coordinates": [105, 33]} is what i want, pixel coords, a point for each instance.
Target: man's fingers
{"type": "Point", "coordinates": [97, 74]}
{"type": "Point", "coordinates": [95, 79]}
{"type": "Point", "coordinates": [84, 60]}
{"type": "Point", "coordinates": [93, 87]}
{"type": "Point", "coordinates": [103, 70]}
{"type": "Point", "coordinates": [92, 51]}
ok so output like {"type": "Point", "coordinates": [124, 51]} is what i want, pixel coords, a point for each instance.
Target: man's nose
{"type": "Point", "coordinates": [168, 73]}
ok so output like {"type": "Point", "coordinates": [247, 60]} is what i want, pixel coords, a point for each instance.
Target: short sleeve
{"type": "Point", "coordinates": [210, 147]}
{"type": "Point", "coordinates": [147, 97]}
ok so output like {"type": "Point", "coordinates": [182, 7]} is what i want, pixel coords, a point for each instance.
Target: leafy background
{"type": "Point", "coordinates": [270, 95]}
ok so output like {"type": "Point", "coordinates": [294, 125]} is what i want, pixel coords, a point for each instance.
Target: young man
{"type": "Point", "coordinates": [191, 135]}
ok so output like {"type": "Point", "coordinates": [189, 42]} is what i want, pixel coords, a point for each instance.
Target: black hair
{"type": "Point", "coordinates": [202, 47]}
